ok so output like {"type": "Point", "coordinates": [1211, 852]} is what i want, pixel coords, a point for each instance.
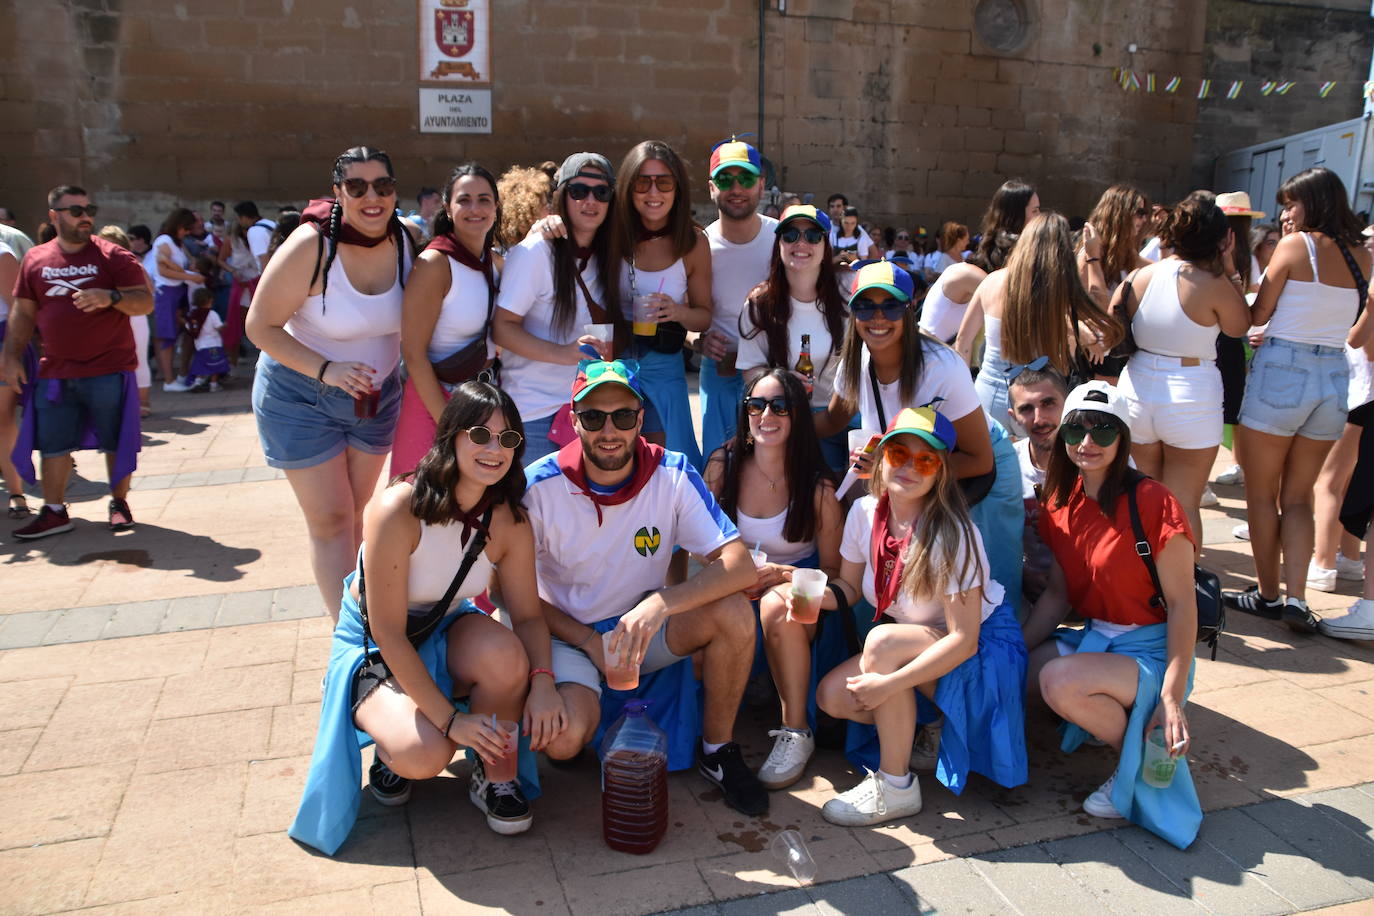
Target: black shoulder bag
{"type": "Point", "coordinates": [1361, 284]}
{"type": "Point", "coordinates": [1211, 613]}
{"type": "Point", "coordinates": [418, 627]}
{"type": "Point", "coordinates": [1115, 361]}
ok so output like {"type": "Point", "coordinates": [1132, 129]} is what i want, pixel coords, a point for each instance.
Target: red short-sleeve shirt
{"type": "Point", "coordinates": [79, 344]}
{"type": "Point", "coordinates": [1107, 580]}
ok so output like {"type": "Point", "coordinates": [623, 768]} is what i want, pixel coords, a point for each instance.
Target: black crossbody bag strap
{"type": "Point", "coordinates": [877, 395]}
{"type": "Point", "coordinates": [1361, 284]}
{"type": "Point", "coordinates": [436, 614]}
{"type": "Point", "coordinates": [1142, 548]}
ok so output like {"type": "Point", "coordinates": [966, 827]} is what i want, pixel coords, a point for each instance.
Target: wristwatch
{"type": "Point", "coordinates": [115, 296]}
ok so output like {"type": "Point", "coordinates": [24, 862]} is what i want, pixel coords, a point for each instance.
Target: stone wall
{"type": "Point", "coordinates": [903, 104]}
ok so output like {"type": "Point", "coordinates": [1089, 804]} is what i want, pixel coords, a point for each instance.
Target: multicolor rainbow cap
{"type": "Point", "coordinates": [802, 211]}
{"type": "Point", "coordinates": [925, 422]}
{"type": "Point", "coordinates": [594, 372]}
{"type": "Point", "coordinates": [883, 275]}
{"type": "Point", "coordinates": [734, 152]}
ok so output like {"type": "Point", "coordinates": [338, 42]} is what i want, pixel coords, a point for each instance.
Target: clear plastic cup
{"type": "Point", "coordinates": [808, 587]}
{"type": "Point", "coordinates": [791, 849]}
{"type": "Point", "coordinates": [1158, 766]}
{"type": "Point", "coordinates": [602, 332]}
{"type": "Point", "coordinates": [759, 557]}
{"type": "Point", "coordinates": [645, 311]}
{"type": "Point", "coordinates": [621, 674]}
{"type": "Point", "coordinates": [504, 770]}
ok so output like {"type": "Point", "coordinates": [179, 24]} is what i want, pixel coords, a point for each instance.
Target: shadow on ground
{"type": "Point", "coordinates": [145, 547]}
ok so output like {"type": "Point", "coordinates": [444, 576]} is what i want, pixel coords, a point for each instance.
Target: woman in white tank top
{"type": "Point", "coordinates": [327, 316]}
{"type": "Point", "coordinates": [448, 305]}
{"type": "Point", "coordinates": [1177, 307]}
{"type": "Point", "coordinates": [774, 483]}
{"type": "Point", "coordinates": [1295, 407]}
{"type": "Point", "coordinates": [398, 675]}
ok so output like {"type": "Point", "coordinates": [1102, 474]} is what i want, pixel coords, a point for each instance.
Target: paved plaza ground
{"type": "Point", "coordinates": [161, 689]}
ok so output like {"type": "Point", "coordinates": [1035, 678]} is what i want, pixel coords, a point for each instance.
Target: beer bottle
{"type": "Point", "coordinates": [805, 367]}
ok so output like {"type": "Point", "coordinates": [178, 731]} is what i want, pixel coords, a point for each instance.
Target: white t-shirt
{"type": "Point", "coordinates": [527, 291]}
{"type": "Point", "coordinates": [938, 261]}
{"type": "Point", "coordinates": [943, 375]}
{"type": "Point", "coordinates": [857, 547]}
{"type": "Point", "coordinates": [4, 301]}
{"type": "Point", "coordinates": [807, 318]}
{"type": "Point", "coordinates": [1031, 476]}
{"type": "Point", "coordinates": [1361, 377]}
{"type": "Point", "coordinates": [260, 237]}
{"type": "Point", "coordinates": [863, 244]}
{"type": "Point", "coordinates": [592, 569]}
{"type": "Point", "coordinates": [209, 335]}
{"type": "Point", "coordinates": [735, 270]}
{"type": "Point", "coordinates": [150, 261]}
{"type": "Point", "coordinates": [1151, 250]}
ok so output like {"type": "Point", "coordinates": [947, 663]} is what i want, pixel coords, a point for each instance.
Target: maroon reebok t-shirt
{"type": "Point", "coordinates": [79, 344]}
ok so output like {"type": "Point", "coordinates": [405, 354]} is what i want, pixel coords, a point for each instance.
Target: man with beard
{"type": "Point", "coordinates": [741, 249]}
{"type": "Point", "coordinates": [78, 292]}
{"type": "Point", "coordinates": [1037, 395]}
{"type": "Point", "coordinates": [607, 511]}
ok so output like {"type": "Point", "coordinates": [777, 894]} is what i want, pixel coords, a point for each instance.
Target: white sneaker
{"type": "Point", "coordinates": [1209, 499]}
{"type": "Point", "coordinates": [176, 386]}
{"type": "Point", "coordinates": [1346, 568]}
{"type": "Point", "coordinates": [787, 760]}
{"type": "Point", "coordinates": [1232, 478]}
{"type": "Point", "coordinates": [1099, 804]}
{"type": "Point", "coordinates": [1241, 532]}
{"type": "Point", "coordinates": [216, 386]}
{"type": "Point", "coordinates": [873, 801]}
{"type": "Point", "coordinates": [1356, 623]}
{"type": "Point", "coordinates": [1322, 580]}
{"type": "Point", "coordinates": [925, 754]}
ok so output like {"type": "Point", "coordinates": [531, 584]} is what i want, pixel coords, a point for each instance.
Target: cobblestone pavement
{"type": "Point", "coordinates": [162, 686]}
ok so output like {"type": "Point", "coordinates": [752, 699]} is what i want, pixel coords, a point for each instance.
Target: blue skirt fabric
{"type": "Point", "coordinates": [720, 399]}
{"type": "Point", "coordinates": [983, 702]}
{"type": "Point", "coordinates": [665, 382]}
{"type": "Point", "coordinates": [1001, 517]}
{"type": "Point", "coordinates": [1174, 814]}
{"type": "Point", "coordinates": [674, 698]}
{"type": "Point", "coordinates": [329, 803]}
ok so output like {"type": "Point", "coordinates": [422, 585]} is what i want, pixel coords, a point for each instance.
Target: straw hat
{"type": "Point", "coordinates": [1237, 203]}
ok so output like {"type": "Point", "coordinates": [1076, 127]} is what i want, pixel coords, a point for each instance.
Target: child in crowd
{"type": "Point", "coordinates": [209, 365]}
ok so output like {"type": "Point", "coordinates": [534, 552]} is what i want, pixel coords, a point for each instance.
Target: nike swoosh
{"type": "Point", "coordinates": [717, 773]}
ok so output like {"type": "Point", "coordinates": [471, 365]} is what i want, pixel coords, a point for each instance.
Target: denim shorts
{"type": "Point", "coordinates": [303, 422]}
{"type": "Point", "coordinates": [1297, 390]}
{"type": "Point", "coordinates": [97, 399]}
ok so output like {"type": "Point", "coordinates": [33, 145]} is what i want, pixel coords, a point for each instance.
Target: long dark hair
{"type": "Point", "coordinates": [180, 218]}
{"type": "Point", "coordinates": [1002, 223]}
{"type": "Point", "coordinates": [681, 229]}
{"type": "Point", "coordinates": [443, 220]}
{"type": "Point", "coordinates": [1196, 230]}
{"type": "Point", "coordinates": [914, 342]}
{"type": "Point", "coordinates": [1326, 207]}
{"type": "Point", "coordinates": [435, 478]}
{"type": "Point", "coordinates": [770, 306]}
{"type": "Point", "coordinates": [804, 465]}
{"type": "Point", "coordinates": [1061, 473]}
{"type": "Point", "coordinates": [565, 271]}
{"type": "Point", "coordinates": [394, 227]}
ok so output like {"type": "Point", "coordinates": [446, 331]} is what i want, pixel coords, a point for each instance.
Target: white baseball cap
{"type": "Point", "coordinates": [1101, 396]}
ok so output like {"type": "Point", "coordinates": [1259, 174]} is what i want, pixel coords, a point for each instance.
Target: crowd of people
{"type": "Point", "coordinates": [995, 446]}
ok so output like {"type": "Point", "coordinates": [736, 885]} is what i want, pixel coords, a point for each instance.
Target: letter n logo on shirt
{"type": "Point", "coordinates": [646, 542]}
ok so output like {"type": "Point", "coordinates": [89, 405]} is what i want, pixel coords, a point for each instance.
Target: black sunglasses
{"type": "Point", "coordinates": [579, 191]}
{"type": "Point", "coordinates": [867, 309]}
{"type": "Point", "coordinates": [726, 182]}
{"type": "Point", "coordinates": [1104, 434]}
{"type": "Point", "coordinates": [755, 406]}
{"type": "Point", "coordinates": [357, 187]}
{"type": "Point", "coordinates": [78, 210]}
{"type": "Point", "coordinates": [792, 233]}
{"type": "Point", "coordinates": [506, 438]}
{"type": "Point", "coordinates": [624, 418]}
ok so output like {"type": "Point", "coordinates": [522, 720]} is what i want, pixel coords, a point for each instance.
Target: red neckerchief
{"type": "Point", "coordinates": [195, 320]}
{"type": "Point", "coordinates": [646, 460]}
{"type": "Point", "coordinates": [583, 255]}
{"type": "Point", "coordinates": [889, 558]}
{"type": "Point", "coordinates": [474, 518]}
{"type": "Point", "coordinates": [448, 244]}
{"type": "Point", "coordinates": [648, 235]}
{"type": "Point", "coordinates": [316, 215]}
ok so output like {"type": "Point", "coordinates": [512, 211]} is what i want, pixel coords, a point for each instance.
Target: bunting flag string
{"type": "Point", "coordinates": [1234, 91]}
{"type": "Point", "coordinates": [1173, 84]}
{"type": "Point", "coordinates": [1204, 89]}
{"type": "Point", "coordinates": [1135, 81]}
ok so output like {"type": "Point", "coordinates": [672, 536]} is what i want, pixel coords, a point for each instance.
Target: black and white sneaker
{"type": "Point", "coordinates": [388, 788]}
{"type": "Point", "coordinates": [1299, 617]}
{"type": "Point", "coordinates": [727, 771]}
{"type": "Point", "coordinates": [1250, 602]}
{"type": "Point", "coordinates": [504, 804]}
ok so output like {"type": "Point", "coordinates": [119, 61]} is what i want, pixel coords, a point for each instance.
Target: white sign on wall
{"type": "Point", "coordinates": [455, 111]}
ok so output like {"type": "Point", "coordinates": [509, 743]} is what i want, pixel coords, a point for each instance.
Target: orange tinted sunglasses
{"type": "Point", "coordinates": [896, 455]}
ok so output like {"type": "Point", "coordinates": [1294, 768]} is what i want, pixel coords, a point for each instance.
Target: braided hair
{"type": "Point", "coordinates": [394, 227]}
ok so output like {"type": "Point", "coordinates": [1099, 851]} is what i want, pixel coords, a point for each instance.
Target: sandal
{"type": "Point", "coordinates": [19, 506]}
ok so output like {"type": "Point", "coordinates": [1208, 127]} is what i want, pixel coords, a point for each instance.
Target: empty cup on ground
{"type": "Point", "coordinates": [621, 674]}
{"type": "Point", "coordinates": [1158, 765]}
{"type": "Point", "coordinates": [503, 770]}
{"type": "Point", "coordinates": [791, 849]}
{"type": "Point", "coordinates": [808, 587]}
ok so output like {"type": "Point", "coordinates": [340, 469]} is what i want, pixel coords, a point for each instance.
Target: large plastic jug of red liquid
{"type": "Point", "coordinates": [634, 782]}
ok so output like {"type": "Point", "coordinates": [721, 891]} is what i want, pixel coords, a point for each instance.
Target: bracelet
{"type": "Point", "coordinates": [541, 671]}
{"type": "Point", "coordinates": [449, 723]}
{"type": "Point", "coordinates": [585, 641]}
{"type": "Point", "coordinates": [319, 376]}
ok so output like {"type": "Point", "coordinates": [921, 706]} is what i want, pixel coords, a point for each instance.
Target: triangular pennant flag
{"type": "Point", "coordinates": [1133, 82]}
{"type": "Point", "coordinates": [1173, 84]}
{"type": "Point", "coordinates": [1205, 89]}
{"type": "Point", "coordinates": [1267, 87]}
{"type": "Point", "coordinates": [1326, 89]}
{"type": "Point", "coordinates": [1235, 89]}
{"type": "Point", "coordinates": [1283, 87]}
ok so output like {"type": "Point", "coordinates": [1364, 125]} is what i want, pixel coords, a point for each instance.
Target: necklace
{"type": "Point", "coordinates": [772, 484]}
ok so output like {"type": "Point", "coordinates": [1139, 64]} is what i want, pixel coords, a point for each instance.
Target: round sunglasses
{"type": "Point", "coordinates": [593, 419]}
{"type": "Point", "coordinates": [925, 462]}
{"type": "Point", "coordinates": [1104, 434]}
{"type": "Point", "coordinates": [754, 407]}
{"type": "Point", "coordinates": [792, 233]}
{"type": "Point", "coordinates": [506, 438]}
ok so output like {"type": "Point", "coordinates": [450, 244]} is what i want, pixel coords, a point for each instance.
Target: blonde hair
{"type": "Point", "coordinates": [1114, 220]}
{"type": "Point", "coordinates": [114, 234]}
{"type": "Point", "coordinates": [524, 194]}
{"type": "Point", "coordinates": [942, 536]}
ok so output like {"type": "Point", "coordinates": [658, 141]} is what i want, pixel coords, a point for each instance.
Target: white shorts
{"type": "Point", "coordinates": [1170, 403]}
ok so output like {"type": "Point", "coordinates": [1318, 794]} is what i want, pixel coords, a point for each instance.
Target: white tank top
{"type": "Point", "coordinates": [1161, 326]}
{"type": "Point", "coordinates": [463, 313]}
{"type": "Point", "coordinates": [941, 315]}
{"type": "Point", "coordinates": [992, 339]}
{"type": "Point", "coordinates": [344, 325]}
{"type": "Point", "coordinates": [434, 563]}
{"type": "Point", "coordinates": [767, 533]}
{"type": "Point", "coordinates": [1310, 311]}
{"type": "Point", "coordinates": [639, 282]}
